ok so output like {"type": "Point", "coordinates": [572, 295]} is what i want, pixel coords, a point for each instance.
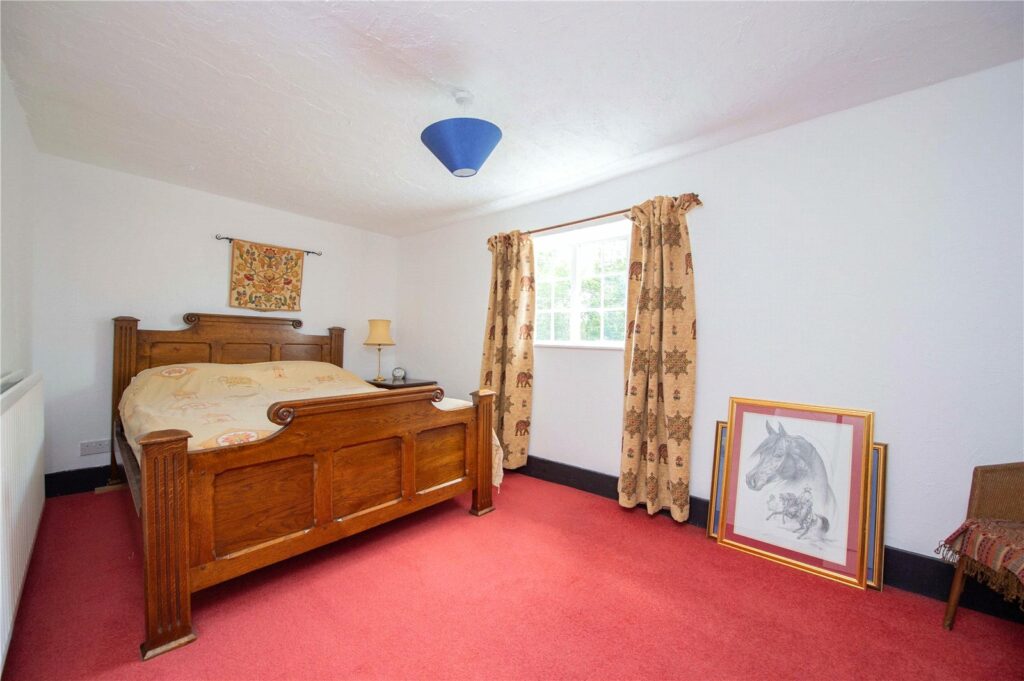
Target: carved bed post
{"type": "Point", "coordinates": [125, 352]}
{"type": "Point", "coordinates": [337, 345]}
{"type": "Point", "coordinates": [484, 401]}
{"type": "Point", "coordinates": [165, 541]}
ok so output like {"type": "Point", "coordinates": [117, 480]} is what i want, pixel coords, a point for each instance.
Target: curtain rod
{"type": "Point", "coordinates": [229, 239]}
{"type": "Point", "coordinates": [624, 212]}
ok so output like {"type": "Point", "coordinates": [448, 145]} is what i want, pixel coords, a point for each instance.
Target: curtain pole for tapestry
{"type": "Point", "coordinates": [229, 239]}
{"type": "Point", "coordinates": [624, 213]}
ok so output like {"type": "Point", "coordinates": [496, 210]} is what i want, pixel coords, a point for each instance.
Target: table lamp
{"type": "Point", "coordinates": [380, 335]}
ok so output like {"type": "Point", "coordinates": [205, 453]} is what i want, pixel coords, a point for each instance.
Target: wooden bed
{"type": "Point", "coordinates": [338, 466]}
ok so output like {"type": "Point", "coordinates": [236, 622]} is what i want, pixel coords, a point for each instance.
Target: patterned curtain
{"type": "Point", "coordinates": [507, 366]}
{"type": "Point", "coordinates": [661, 332]}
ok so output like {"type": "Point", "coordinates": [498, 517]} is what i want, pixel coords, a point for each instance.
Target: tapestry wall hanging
{"type": "Point", "coordinates": [265, 278]}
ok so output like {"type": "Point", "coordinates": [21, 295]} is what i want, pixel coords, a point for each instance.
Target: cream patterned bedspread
{"type": "Point", "coordinates": [225, 404]}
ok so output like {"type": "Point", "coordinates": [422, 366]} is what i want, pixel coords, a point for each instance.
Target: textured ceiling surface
{"type": "Point", "coordinates": [316, 108]}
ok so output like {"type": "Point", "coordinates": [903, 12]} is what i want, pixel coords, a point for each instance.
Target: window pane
{"type": "Point", "coordinates": [582, 285]}
{"type": "Point", "coordinates": [563, 294]}
{"type": "Point", "coordinates": [542, 332]}
{"type": "Point", "coordinates": [561, 262]}
{"type": "Point", "coordinates": [544, 264]}
{"type": "Point", "coordinates": [590, 293]}
{"type": "Point", "coordinates": [544, 295]}
{"type": "Point", "coordinates": [561, 320]}
{"type": "Point", "coordinates": [615, 325]}
{"type": "Point", "coordinates": [588, 260]}
{"type": "Point", "coordinates": [614, 254]}
{"type": "Point", "coordinates": [614, 291]}
{"type": "Point", "coordinates": [590, 326]}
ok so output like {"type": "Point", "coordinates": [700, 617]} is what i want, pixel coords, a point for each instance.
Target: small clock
{"type": "Point", "coordinates": [398, 373]}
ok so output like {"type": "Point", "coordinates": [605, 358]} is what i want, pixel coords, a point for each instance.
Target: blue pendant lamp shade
{"type": "Point", "coordinates": [461, 144]}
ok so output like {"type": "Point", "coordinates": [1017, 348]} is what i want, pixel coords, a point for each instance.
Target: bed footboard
{"type": "Point", "coordinates": [338, 466]}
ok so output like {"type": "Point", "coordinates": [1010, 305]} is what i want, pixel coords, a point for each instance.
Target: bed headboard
{"type": "Point", "coordinates": [220, 338]}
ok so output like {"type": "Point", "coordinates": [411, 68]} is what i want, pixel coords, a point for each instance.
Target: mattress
{"type": "Point", "coordinates": [226, 404]}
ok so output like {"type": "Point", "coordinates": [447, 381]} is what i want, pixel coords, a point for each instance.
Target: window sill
{"type": "Point", "coordinates": [580, 346]}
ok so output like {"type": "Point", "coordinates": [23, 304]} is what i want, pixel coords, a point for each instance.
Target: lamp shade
{"type": "Point", "coordinates": [380, 333]}
{"type": "Point", "coordinates": [461, 144]}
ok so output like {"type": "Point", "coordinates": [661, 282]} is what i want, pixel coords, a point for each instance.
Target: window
{"type": "Point", "coordinates": [581, 286]}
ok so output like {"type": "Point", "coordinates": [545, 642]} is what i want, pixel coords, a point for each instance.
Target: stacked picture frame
{"type": "Point", "coordinates": [802, 485]}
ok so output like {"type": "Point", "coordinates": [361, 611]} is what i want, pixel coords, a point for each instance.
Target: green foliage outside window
{"type": "Point", "coordinates": [581, 291]}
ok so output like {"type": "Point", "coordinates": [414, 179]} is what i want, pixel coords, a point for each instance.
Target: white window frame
{"type": "Point", "coordinates": [617, 228]}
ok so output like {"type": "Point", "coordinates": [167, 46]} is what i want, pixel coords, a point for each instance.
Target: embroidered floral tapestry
{"type": "Point", "coordinates": [661, 348]}
{"type": "Point", "coordinates": [266, 278]}
{"type": "Point", "coordinates": [507, 366]}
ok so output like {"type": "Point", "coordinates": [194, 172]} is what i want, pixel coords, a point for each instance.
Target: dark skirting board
{"type": "Point", "coordinates": [76, 481]}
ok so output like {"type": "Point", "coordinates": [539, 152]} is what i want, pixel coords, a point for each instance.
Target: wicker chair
{"type": "Point", "coordinates": [997, 492]}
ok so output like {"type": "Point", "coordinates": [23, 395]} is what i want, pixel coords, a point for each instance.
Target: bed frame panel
{"type": "Point", "coordinates": [338, 466]}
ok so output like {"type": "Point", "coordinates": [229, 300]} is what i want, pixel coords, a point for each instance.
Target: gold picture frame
{"type": "Point", "coordinates": [876, 508]}
{"type": "Point", "coordinates": [717, 462]}
{"type": "Point", "coordinates": [826, 492]}
{"type": "Point", "coordinates": [876, 514]}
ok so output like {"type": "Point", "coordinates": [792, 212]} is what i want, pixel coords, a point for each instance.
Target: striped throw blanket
{"type": "Point", "coordinates": [992, 551]}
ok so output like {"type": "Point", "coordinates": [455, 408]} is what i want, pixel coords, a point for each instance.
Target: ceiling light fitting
{"type": "Point", "coordinates": [461, 144]}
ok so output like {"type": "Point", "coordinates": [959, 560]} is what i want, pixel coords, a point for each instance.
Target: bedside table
{"type": "Point", "coordinates": [392, 384]}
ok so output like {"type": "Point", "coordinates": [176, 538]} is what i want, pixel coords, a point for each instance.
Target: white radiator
{"type": "Point", "coordinates": [21, 492]}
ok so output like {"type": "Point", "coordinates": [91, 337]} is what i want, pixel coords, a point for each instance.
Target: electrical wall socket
{"type": "Point", "coordinates": [95, 447]}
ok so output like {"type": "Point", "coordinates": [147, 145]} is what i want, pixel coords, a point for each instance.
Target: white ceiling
{"type": "Point", "coordinates": [316, 108]}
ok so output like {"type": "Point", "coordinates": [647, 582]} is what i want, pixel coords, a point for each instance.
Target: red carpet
{"type": "Point", "coordinates": [555, 584]}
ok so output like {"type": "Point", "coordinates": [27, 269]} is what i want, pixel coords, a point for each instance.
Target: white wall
{"type": "Point", "coordinates": [17, 156]}
{"type": "Point", "coordinates": [110, 244]}
{"type": "Point", "coordinates": [871, 258]}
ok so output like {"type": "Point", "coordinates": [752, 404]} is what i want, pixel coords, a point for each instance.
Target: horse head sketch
{"type": "Point", "coordinates": [789, 463]}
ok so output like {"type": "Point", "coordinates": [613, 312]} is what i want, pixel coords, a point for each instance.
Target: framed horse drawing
{"type": "Point", "coordinates": [876, 502]}
{"type": "Point", "coordinates": [795, 487]}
